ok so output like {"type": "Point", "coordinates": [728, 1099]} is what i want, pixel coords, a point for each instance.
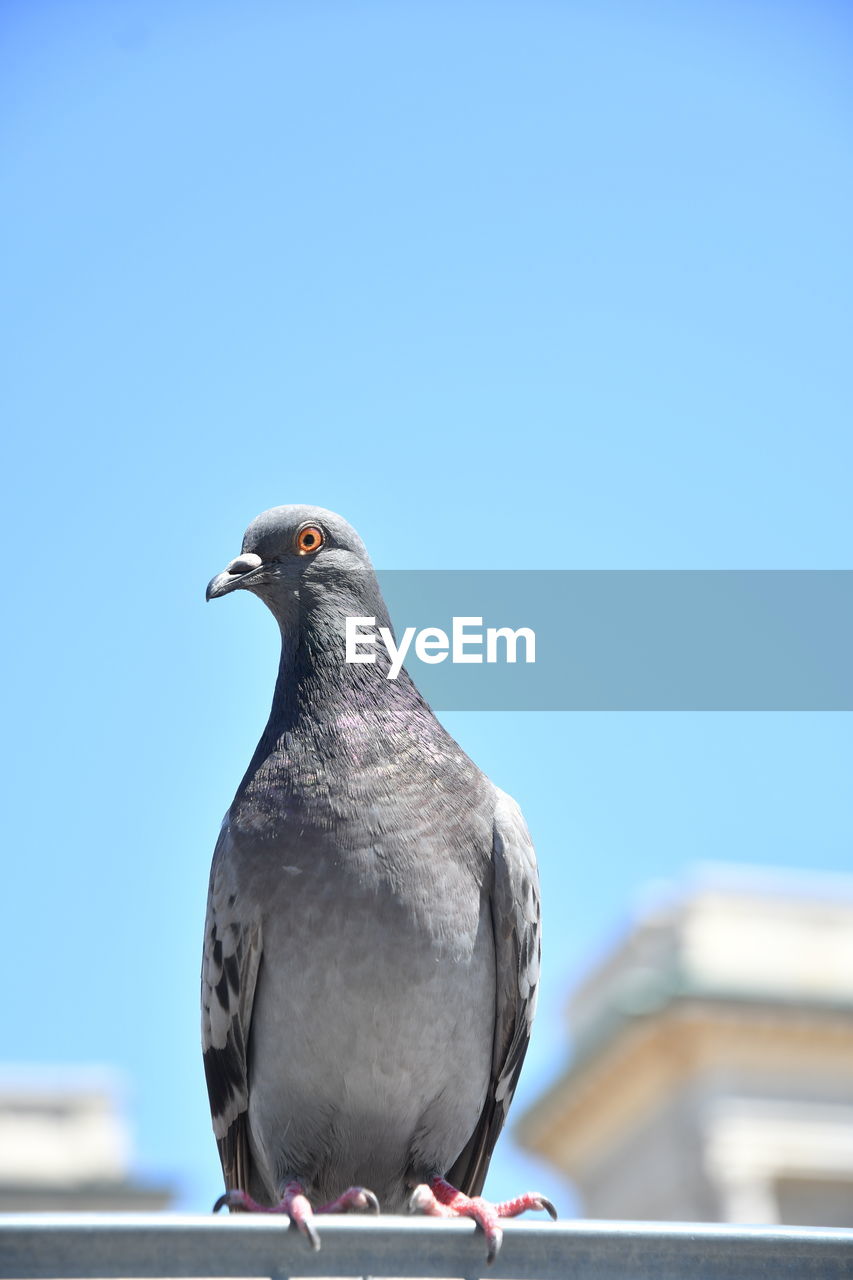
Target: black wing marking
{"type": "Point", "coordinates": [516, 924]}
{"type": "Point", "coordinates": [232, 954]}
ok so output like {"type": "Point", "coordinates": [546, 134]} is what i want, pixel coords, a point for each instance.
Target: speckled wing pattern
{"type": "Point", "coordinates": [232, 953]}
{"type": "Point", "coordinates": [516, 925]}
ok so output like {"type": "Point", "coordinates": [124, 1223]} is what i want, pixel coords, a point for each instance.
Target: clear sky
{"type": "Point", "coordinates": [564, 285]}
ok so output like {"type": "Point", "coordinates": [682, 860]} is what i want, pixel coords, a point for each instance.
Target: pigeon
{"type": "Point", "coordinates": [371, 949]}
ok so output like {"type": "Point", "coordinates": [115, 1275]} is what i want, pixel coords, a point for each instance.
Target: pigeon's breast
{"type": "Point", "coordinates": [372, 1031]}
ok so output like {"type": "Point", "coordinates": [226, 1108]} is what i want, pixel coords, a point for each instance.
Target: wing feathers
{"type": "Point", "coordinates": [232, 954]}
{"type": "Point", "coordinates": [516, 924]}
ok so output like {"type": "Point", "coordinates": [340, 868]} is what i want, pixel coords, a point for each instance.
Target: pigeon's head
{"type": "Point", "coordinates": [300, 558]}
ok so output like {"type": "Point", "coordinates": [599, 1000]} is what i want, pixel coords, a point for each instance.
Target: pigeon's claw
{"type": "Point", "coordinates": [441, 1200]}
{"type": "Point", "coordinates": [530, 1200]}
{"type": "Point", "coordinates": [297, 1206]}
{"type": "Point", "coordinates": [293, 1202]}
{"type": "Point", "coordinates": [358, 1198]}
{"type": "Point", "coordinates": [240, 1203]}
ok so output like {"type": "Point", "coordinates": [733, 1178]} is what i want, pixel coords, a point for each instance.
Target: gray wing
{"type": "Point", "coordinates": [516, 924]}
{"type": "Point", "coordinates": [232, 953]}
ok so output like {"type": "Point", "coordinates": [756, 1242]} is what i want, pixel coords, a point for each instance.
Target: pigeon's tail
{"type": "Point", "coordinates": [469, 1171]}
{"type": "Point", "coordinates": [237, 1165]}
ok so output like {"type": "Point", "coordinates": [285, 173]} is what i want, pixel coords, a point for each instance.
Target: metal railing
{"type": "Point", "coordinates": [161, 1246]}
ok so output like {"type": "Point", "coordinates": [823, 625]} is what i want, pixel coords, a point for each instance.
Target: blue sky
{"type": "Point", "coordinates": [508, 285]}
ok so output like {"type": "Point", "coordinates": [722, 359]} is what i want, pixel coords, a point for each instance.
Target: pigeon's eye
{"type": "Point", "coordinates": [309, 540]}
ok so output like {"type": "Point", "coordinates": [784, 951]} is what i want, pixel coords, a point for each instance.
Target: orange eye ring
{"type": "Point", "coordinates": [309, 539]}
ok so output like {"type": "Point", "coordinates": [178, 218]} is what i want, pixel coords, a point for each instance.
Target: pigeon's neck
{"type": "Point", "coordinates": [320, 697]}
{"type": "Point", "coordinates": [315, 681]}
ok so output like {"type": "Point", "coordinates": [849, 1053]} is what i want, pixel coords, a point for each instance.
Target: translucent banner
{"type": "Point", "coordinates": [544, 640]}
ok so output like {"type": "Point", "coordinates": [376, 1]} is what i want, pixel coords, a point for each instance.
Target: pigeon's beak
{"type": "Point", "coordinates": [236, 575]}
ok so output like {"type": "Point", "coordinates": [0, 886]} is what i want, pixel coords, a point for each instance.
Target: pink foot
{"type": "Point", "coordinates": [358, 1198]}
{"type": "Point", "coordinates": [296, 1205]}
{"type": "Point", "coordinates": [441, 1200]}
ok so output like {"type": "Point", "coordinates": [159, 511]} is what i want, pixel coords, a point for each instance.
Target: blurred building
{"type": "Point", "coordinates": [65, 1145]}
{"type": "Point", "coordinates": [712, 1073]}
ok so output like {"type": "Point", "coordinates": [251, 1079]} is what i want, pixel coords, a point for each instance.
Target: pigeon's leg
{"type": "Point", "coordinates": [441, 1200]}
{"type": "Point", "coordinates": [297, 1206]}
